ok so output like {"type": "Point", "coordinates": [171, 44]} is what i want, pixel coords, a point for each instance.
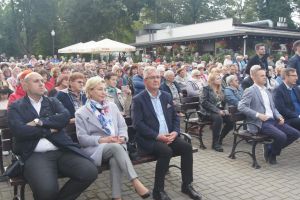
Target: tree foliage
{"type": "Point", "coordinates": [25, 25]}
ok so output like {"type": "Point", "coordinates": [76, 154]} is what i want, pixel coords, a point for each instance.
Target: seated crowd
{"type": "Point", "coordinates": [43, 97]}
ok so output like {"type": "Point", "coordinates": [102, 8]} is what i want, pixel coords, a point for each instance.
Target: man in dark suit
{"type": "Point", "coordinates": [294, 62]}
{"type": "Point", "coordinates": [158, 130]}
{"type": "Point", "coordinates": [37, 123]}
{"type": "Point", "coordinates": [259, 59]}
{"type": "Point", "coordinates": [287, 98]}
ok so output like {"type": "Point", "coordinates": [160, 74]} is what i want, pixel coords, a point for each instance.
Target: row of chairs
{"type": "Point", "coordinates": [19, 183]}
{"type": "Point", "coordinates": [194, 120]}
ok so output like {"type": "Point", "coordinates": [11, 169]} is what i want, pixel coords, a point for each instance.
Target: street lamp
{"type": "Point", "coordinates": [53, 35]}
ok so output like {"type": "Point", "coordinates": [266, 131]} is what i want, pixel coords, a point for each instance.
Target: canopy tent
{"type": "Point", "coordinates": [101, 46]}
{"type": "Point", "coordinates": [84, 47]}
{"type": "Point", "coordinates": [108, 45]}
{"type": "Point", "coordinates": [69, 49]}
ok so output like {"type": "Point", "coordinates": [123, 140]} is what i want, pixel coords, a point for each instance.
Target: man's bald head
{"type": "Point", "coordinates": [29, 76]}
{"type": "Point", "coordinates": [34, 85]}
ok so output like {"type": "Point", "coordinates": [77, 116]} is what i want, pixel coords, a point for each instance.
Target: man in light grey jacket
{"type": "Point", "coordinates": [257, 104]}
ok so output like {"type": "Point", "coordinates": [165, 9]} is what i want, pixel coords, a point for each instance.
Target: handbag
{"type": "Point", "coordinates": [132, 150]}
{"type": "Point", "coordinates": [15, 169]}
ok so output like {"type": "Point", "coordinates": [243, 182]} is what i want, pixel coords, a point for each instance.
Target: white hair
{"type": "Point", "coordinates": [254, 69]}
{"type": "Point", "coordinates": [161, 68]}
{"type": "Point", "coordinates": [147, 71]}
{"type": "Point", "coordinates": [230, 78]}
{"type": "Point", "coordinates": [168, 73]}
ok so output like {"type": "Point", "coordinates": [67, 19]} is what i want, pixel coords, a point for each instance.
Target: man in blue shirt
{"type": "Point", "coordinates": [158, 129]}
{"type": "Point", "coordinates": [294, 62]}
{"type": "Point", "coordinates": [287, 98]}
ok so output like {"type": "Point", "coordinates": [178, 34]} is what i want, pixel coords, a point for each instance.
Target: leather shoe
{"type": "Point", "coordinates": [189, 190]}
{"type": "Point", "coordinates": [266, 152]}
{"type": "Point", "coordinates": [272, 160]}
{"type": "Point", "coordinates": [218, 148]}
{"type": "Point", "coordinates": [160, 195]}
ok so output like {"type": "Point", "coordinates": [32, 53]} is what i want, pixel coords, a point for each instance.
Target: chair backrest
{"type": "Point", "coordinates": [184, 93]}
{"type": "Point", "coordinates": [194, 99]}
{"type": "Point", "coordinates": [235, 115]}
{"type": "Point", "coordinates": [131, 131]}
{"type": "Point", "coordinates": [3, 119]}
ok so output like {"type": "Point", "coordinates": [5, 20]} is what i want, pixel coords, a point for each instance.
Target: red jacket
{"type": "Point", "coordinates": [18, 94]}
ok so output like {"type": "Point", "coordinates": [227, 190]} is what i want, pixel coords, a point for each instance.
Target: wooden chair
{"type": "Point", "coordinates": [193, 118]}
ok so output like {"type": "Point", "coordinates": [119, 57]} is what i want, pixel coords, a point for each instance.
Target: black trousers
{"type": "Point", "coordinates": [221, 125]}
{"type": "Point", "coordinates": [294, 122]}
{"type": "Point", "coordinates": [164, 153]}
{"type": "Point", "coordinates": [41, 171]}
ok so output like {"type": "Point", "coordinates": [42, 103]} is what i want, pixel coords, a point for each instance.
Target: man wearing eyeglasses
{"type": "Point", "coordinates": [287, 98]}
{"type": "Point", "coordinates": [158, 129]}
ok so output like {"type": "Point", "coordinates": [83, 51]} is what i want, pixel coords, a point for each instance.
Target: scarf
{"type": "Point", "coordinates": [100, 111]}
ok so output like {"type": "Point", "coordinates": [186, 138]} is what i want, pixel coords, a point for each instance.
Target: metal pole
{"type": "Point", "coordinates": [53, 45]}
{"type": "Point", "coordinates": [245, 45]}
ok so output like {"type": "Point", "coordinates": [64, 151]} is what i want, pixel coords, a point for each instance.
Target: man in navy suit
{"type": "Point", "coordinates": [287, 98]}
{"type": "Point", "coordinates": [158, 130]}
{"type": "Point", "coordinates": [37, 124]}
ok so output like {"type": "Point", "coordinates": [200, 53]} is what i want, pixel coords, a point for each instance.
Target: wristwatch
{"type": "Point", "coordinates": [38, 122]}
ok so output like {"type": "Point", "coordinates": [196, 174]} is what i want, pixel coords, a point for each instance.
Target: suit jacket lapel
{"type": "Point", "coordinates": [259, 96]}
{"type": "Point", "coordinates": [162, 102]}
{"type": "Point", "coordinates": [91, 117]}
{"type": "Point", "coordinates": [149, 103]}
{"type": "Point", "coordinates": [29, 107]}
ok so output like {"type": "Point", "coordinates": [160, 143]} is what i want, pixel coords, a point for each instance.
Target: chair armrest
{"type": "Point", "coordinates": [186, 137]}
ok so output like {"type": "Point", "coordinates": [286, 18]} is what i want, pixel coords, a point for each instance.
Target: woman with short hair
{"type": "Point", "coordinates": [102, 133]}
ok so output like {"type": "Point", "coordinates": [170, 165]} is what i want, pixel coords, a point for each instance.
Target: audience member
{"type": "Point", "coordinates": [287, 98]}
{"type": "Point", "coordinates": [257, 104]}
{"type": "Point", "coordinates": [294, 61]}
{"type": "Point", "coordinates": [37, 123]}
{"type": "Point", "coordinates": [213, 107]}
{"type": "Point", "coordinates": [73, 97]}
{"type": "Point", "coordinates": [122, 98]}
{"type": "Point", "coordinates": [102, 132]}
{"type": "Point", "coordinates": [233, 92]}
{"type": "Point", "coordinates": [158, 133]}
{"type": "Point", "coordinates": [138, 80]}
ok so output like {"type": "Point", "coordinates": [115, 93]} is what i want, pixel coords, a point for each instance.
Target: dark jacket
{"type": "Point", "coordinates": [53, 115]}
{"type": "Point", "coordinates": [247, 82]}
{"type": "Point", "coordinates": [209, 102]}
{"type": "Point", "coordinates": [294, 62]}
{"type": "Point", "coordinates": [145, 121]}
{"type": "Point", "coordinates": [65, 98]}
{"type": "Point", "coordinates": [258, 61]}
{"type": "Point", "coordinates": [138, 84]}
{"type": "Point", "coordinates": [166, 88]}
{"type": "Point", "coordinates": [283, 101]}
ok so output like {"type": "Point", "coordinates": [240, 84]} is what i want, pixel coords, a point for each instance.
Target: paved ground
{"type": "Point", "coordinates": [215, 175]}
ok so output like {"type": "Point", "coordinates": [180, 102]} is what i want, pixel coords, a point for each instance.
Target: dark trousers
{"type": "Point", "coordinates": [295, 123]}
{"type": "Point", "coordinates": [164, 153]}
{"type": "Point", "coordinates": [41, 171]}
{"type": "Point", "coordinates": [218, 122]}
{"type": "Point", "coordinates": [283, 135]}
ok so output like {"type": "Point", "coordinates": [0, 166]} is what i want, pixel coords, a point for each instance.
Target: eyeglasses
{"type": "Point", "coordinates": [293, 75]}
{"type": "Point", "coordinates": [153, 77]}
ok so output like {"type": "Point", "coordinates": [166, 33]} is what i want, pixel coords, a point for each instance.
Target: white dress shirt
{"type": "Point", "coordinates": [266, 101]}
{"type": "Point", "coordinates": [43, 145]}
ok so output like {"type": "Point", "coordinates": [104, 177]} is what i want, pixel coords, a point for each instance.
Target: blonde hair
{"type": "Point", "coordinates": [217, 88]}
{"type": "Point", "coordinates": [92, 83]}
